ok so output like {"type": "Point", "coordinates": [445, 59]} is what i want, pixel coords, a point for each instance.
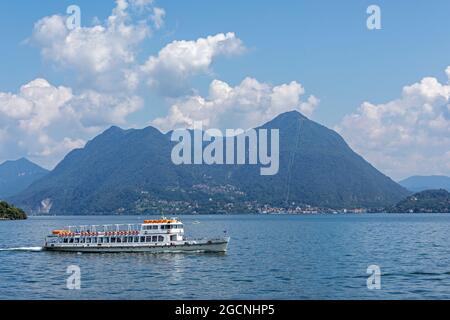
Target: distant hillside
{"type": "Point", "coordinates": [429, 201]}
{"type": "Point", "coordinates": [131, 172]}
{"type": "Point", "coordinates": [421, 183]}
{"type": "Point", "coordinates": [16, 176]}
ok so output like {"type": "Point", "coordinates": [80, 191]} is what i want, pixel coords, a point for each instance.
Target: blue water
{"type": "Point", "coordinates": [270, 257]}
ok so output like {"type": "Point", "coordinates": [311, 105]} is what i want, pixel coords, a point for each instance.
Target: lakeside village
{"type": "Point", "coordinates": [226, 207]}
{"type": "Point", "coordinates": [181, 207]}
{"type": "Point", "coordinates": [309, 210]}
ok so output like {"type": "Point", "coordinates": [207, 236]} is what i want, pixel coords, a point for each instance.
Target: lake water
{"type": "Point", "coordinates": [270, 257]}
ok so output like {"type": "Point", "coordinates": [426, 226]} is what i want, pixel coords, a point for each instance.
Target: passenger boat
{"type": "Point", "coordinates": [154, 236]}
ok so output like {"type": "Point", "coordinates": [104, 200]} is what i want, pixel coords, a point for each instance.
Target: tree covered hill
{"type": "Point", "coordinates": [429, 201]}
{"type": "Point", "coordinates": [131, 172]}
{"type": "Point", "coordinates": [8, 212]}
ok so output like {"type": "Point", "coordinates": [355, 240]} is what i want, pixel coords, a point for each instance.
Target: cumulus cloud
{"type": "Point", "coordinates": [247, 105]}
{"type": "Point", "coordinates": [169, 71]}
{"type": "Point", "coordinates": [44, 122]}
{"type": "Point", "coordinates": [104, 52]}
{"type": "Point", "coordinates": [409, 135]}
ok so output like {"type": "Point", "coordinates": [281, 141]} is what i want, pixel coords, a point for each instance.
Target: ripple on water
{"type": "Point", "coordinates": [320, 257]}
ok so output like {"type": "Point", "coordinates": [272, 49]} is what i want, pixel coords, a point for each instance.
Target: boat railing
{"type": "Point", "coordinates": [104, 228]}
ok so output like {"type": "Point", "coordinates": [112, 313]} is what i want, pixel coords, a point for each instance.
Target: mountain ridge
{"type": "Point", "coordinates": [17, 175]}
{"type": "Point", "coordinates": [422, 183]}
{"type": "Point", "coordinates": [130, 171]}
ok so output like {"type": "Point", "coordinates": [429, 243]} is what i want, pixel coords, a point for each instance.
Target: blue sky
{"type": "Point", "coordinates": [323, 45]}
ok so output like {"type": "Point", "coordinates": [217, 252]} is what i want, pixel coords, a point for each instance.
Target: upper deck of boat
{"type": "Point", "coordinates": [148, 226]}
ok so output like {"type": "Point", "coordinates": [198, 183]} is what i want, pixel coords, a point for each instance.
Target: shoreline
{"type": "Point", "coordinates": [237, 214]}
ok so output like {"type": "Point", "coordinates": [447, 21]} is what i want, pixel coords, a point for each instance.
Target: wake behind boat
{"type": "Point", "coordinates": [154, 236]}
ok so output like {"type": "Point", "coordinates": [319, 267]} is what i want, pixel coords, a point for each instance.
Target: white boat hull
{"type": "Point", "coordinates": [188, 246]}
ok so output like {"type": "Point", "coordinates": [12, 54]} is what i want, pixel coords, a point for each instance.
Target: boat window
{"type": "Point", "coordinates": [113, 239]}
{"type": "Point", "coordinates": [71, 240]}
{"type": "Point", "coordinates": [142, 239]}
{"type": "Point", "coordinates": [106, 240]}
{"type": "Point", "coordinates": [160, 238]}
{"type": "Point", "coordinates": [136, 239]}
{"type": "Point", "coordinates": [65, 240]}
{"type": "Point", "coordinates": [155, 227]}
{"type": "Point", "coordinates": [148, 239]}
{"type": "Point", "coordinates": [125, 239]}
{"type": "Point", "coordinates": [94, 240]}
{"type": "Point", "coordinates": [119, 239]}
{"type": "Point", "coordinates": [154, 238]}
{"type": "Point", "coordinates": [82, 240]}
{"type": "Point", "coordinates": [130, 239]}
{"type": "Point", "coordinates": [77, 240]}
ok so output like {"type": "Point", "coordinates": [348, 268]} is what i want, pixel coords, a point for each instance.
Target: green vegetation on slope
{"type": "Point", "coordinates": [429, 201]}
{"type": "Point", "coordinates": [131, 172]}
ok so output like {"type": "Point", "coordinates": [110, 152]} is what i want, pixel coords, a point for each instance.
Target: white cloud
{"type": "Point", "coordinates": [103, 53]}
{"type": "Point", "coordinates": [406, 136]}
{"type": "Point", "coordinates": [140, 4]}
{"type": "Point", "coordinates": [44, 122]}
{"type": "Point", "coordinates": [158, 17]}
{"type": "Point", "coordinates": [169, 71]}
{"type": "Point", "coordinates": [94, 109]}
{"type": "Point", "coordinates": [247, 105]}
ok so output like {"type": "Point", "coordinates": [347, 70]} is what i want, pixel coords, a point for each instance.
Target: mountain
{"type": "Point", "coordinates": [421, 183]}
{"type": "Point", "coordinates": [429, 201]}
{"type": "Point", "coordinates": [130, 171]}
{"type": "Point", "coordinates": [16, 176]}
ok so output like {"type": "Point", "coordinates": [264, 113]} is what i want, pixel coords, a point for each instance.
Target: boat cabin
{"type": "Point", "coordinates": [151, 232]}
